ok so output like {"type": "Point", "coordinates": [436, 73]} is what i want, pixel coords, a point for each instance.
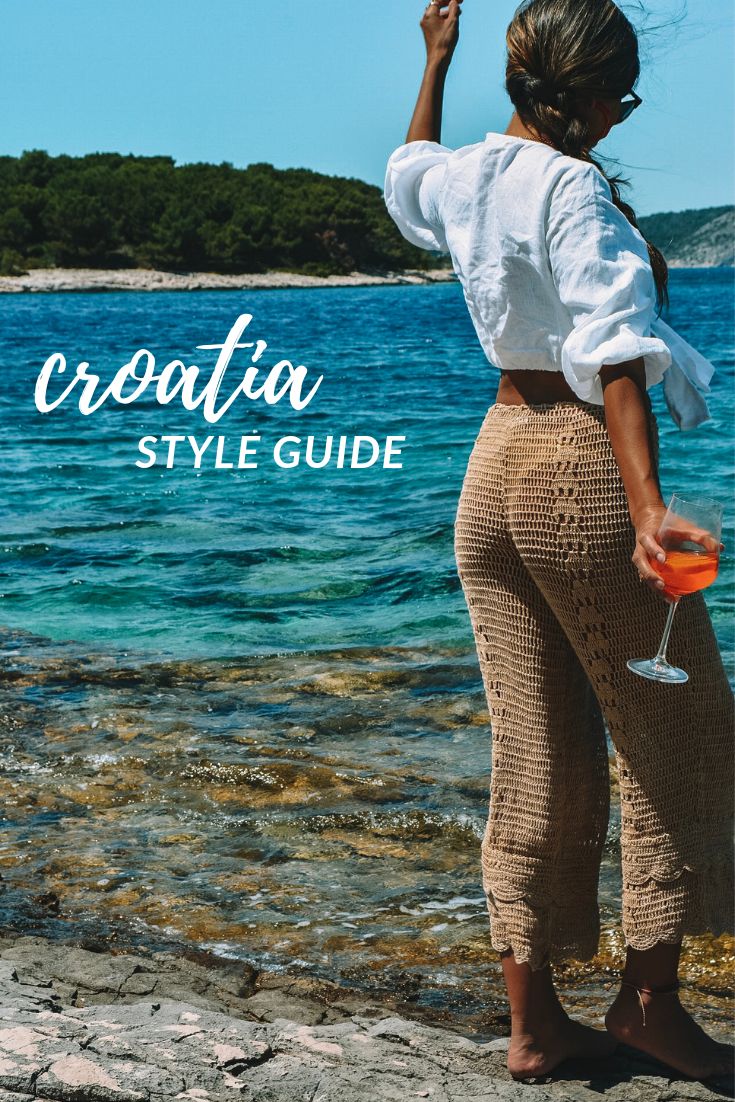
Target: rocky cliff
{"type": "Point", "coordinates": [693, 238]}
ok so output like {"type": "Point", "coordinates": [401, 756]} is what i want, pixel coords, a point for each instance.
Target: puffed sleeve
{"type": "Point", "coordinates": [686, 381]}
{"type": "Point", "coordinates": [413, 181]}
{"type": "Point", "coordinates": [602, 272]}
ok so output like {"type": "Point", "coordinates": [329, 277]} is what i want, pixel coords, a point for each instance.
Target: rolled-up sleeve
{"type": "Point", "coordinates": [412, 192]}
{"type": "Point", "coordinates": [602, 272]}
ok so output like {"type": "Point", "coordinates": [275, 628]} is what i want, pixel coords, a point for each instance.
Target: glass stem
{"type": "Point", "coordinates": [661, 656]}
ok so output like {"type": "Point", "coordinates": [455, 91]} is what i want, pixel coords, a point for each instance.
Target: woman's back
{"type": "Point", "coordinates": [493, 204]}
{"type": "Point", "coordinates": [554, 275]}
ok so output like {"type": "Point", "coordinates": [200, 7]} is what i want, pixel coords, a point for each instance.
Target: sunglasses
{"type": "Point", "coordinates": [628, 105]}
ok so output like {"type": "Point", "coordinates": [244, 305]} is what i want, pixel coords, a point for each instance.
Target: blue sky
{"type": "Point", "coordinates": [331, 86]}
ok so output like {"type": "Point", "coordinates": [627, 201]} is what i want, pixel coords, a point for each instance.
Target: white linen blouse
{"type": "Point", "coordinates": [554, 275]}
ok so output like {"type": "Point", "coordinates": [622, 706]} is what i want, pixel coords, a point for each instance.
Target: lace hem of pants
{"type": "Point", "coordinates": [663, 905]}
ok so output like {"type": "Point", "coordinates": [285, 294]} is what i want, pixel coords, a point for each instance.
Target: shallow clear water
{"type": "Point", "coordinates": [241, 709]}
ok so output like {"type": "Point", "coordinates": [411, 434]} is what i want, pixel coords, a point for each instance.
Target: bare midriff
{"type": "Point", "coordinates": [518, 388]}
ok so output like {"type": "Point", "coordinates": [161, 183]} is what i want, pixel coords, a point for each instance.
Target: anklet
{"type": "Point", "coordinates": [650, 991]}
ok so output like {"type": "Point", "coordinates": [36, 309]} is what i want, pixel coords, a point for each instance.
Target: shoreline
{"type": "Point", "coordinates": [81, 1021]}
{"type": "Point", "coordinates": [40, 280]}
{"type": "Point", "coordinates": [52, 280]}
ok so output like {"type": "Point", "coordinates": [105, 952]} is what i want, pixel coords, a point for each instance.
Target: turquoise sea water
{"type": "Point", "coordinates": [189, 563]}
{"type": "Point", "coordinates": [241, 709]}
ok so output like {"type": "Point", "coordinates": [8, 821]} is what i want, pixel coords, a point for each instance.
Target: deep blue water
{"type": "Point", "coordinates": [190, 563]}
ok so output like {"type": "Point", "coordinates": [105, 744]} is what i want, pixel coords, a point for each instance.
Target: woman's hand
{"type": "Point", "coordinates": [647, 524]}
{"type": "Point", "coordinates": [441, 30]}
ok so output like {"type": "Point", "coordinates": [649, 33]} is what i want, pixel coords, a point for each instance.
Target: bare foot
{"type": "Point", "coordinates": [670, 1034]}
{"type": "Point", "coordinates": [536, 1052]}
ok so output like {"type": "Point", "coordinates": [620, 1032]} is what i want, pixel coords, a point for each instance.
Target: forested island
{"type": "Point", "coordinates": [107, 210]}
{"type": "Point", "coordinates": [115, 211]}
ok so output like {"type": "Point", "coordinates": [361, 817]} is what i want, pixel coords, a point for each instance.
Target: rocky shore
{"type": "Point", "coordinates": [80, 1023]}
{"type": "Point", "coordinates": [143, 279]}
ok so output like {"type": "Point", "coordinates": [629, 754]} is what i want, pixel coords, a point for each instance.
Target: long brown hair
{"type": "Point", "coordinates": [559, 50]}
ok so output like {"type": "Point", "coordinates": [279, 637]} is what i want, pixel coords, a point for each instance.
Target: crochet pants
{"type": "Point", "coordinates": [543, 544]}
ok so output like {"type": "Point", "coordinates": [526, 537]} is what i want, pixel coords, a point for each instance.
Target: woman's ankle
{"type": "Point", "coordinates": [652, 968]}
{"type": "Point", "coordinates": [538, 1021]}
{"type": "Point", "coordinates": [650, 987]}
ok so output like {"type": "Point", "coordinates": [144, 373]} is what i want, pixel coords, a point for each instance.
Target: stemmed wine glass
{"type": "Point", "coordinates": [690, 535]}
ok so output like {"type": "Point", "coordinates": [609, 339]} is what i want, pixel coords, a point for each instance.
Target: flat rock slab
{"type": "Point", "coordinates": [133, 1048]}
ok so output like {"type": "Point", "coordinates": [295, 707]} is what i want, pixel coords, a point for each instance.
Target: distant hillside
{"type": "Point", "coordinates": [693, 238]}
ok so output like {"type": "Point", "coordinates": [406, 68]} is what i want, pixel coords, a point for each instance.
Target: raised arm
{"type": "Point", "coordinates": [441, 33]}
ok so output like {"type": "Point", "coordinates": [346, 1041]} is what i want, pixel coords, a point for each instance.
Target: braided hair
{"type": "Point", "coordinates": [561, 53]}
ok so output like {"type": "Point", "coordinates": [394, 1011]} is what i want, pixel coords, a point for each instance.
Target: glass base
{"type": "Point", "coordinates": [656, 670]}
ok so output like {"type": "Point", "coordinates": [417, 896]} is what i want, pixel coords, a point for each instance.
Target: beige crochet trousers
{"type": "Point", "coordinates": [543, 544]}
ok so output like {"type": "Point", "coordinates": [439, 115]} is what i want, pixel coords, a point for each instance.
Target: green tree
{"type": "Point", "coordinates": [109, 209]}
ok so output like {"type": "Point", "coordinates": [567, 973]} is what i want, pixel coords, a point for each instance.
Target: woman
{"type": "Point", "coordinates": [561, 492]}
